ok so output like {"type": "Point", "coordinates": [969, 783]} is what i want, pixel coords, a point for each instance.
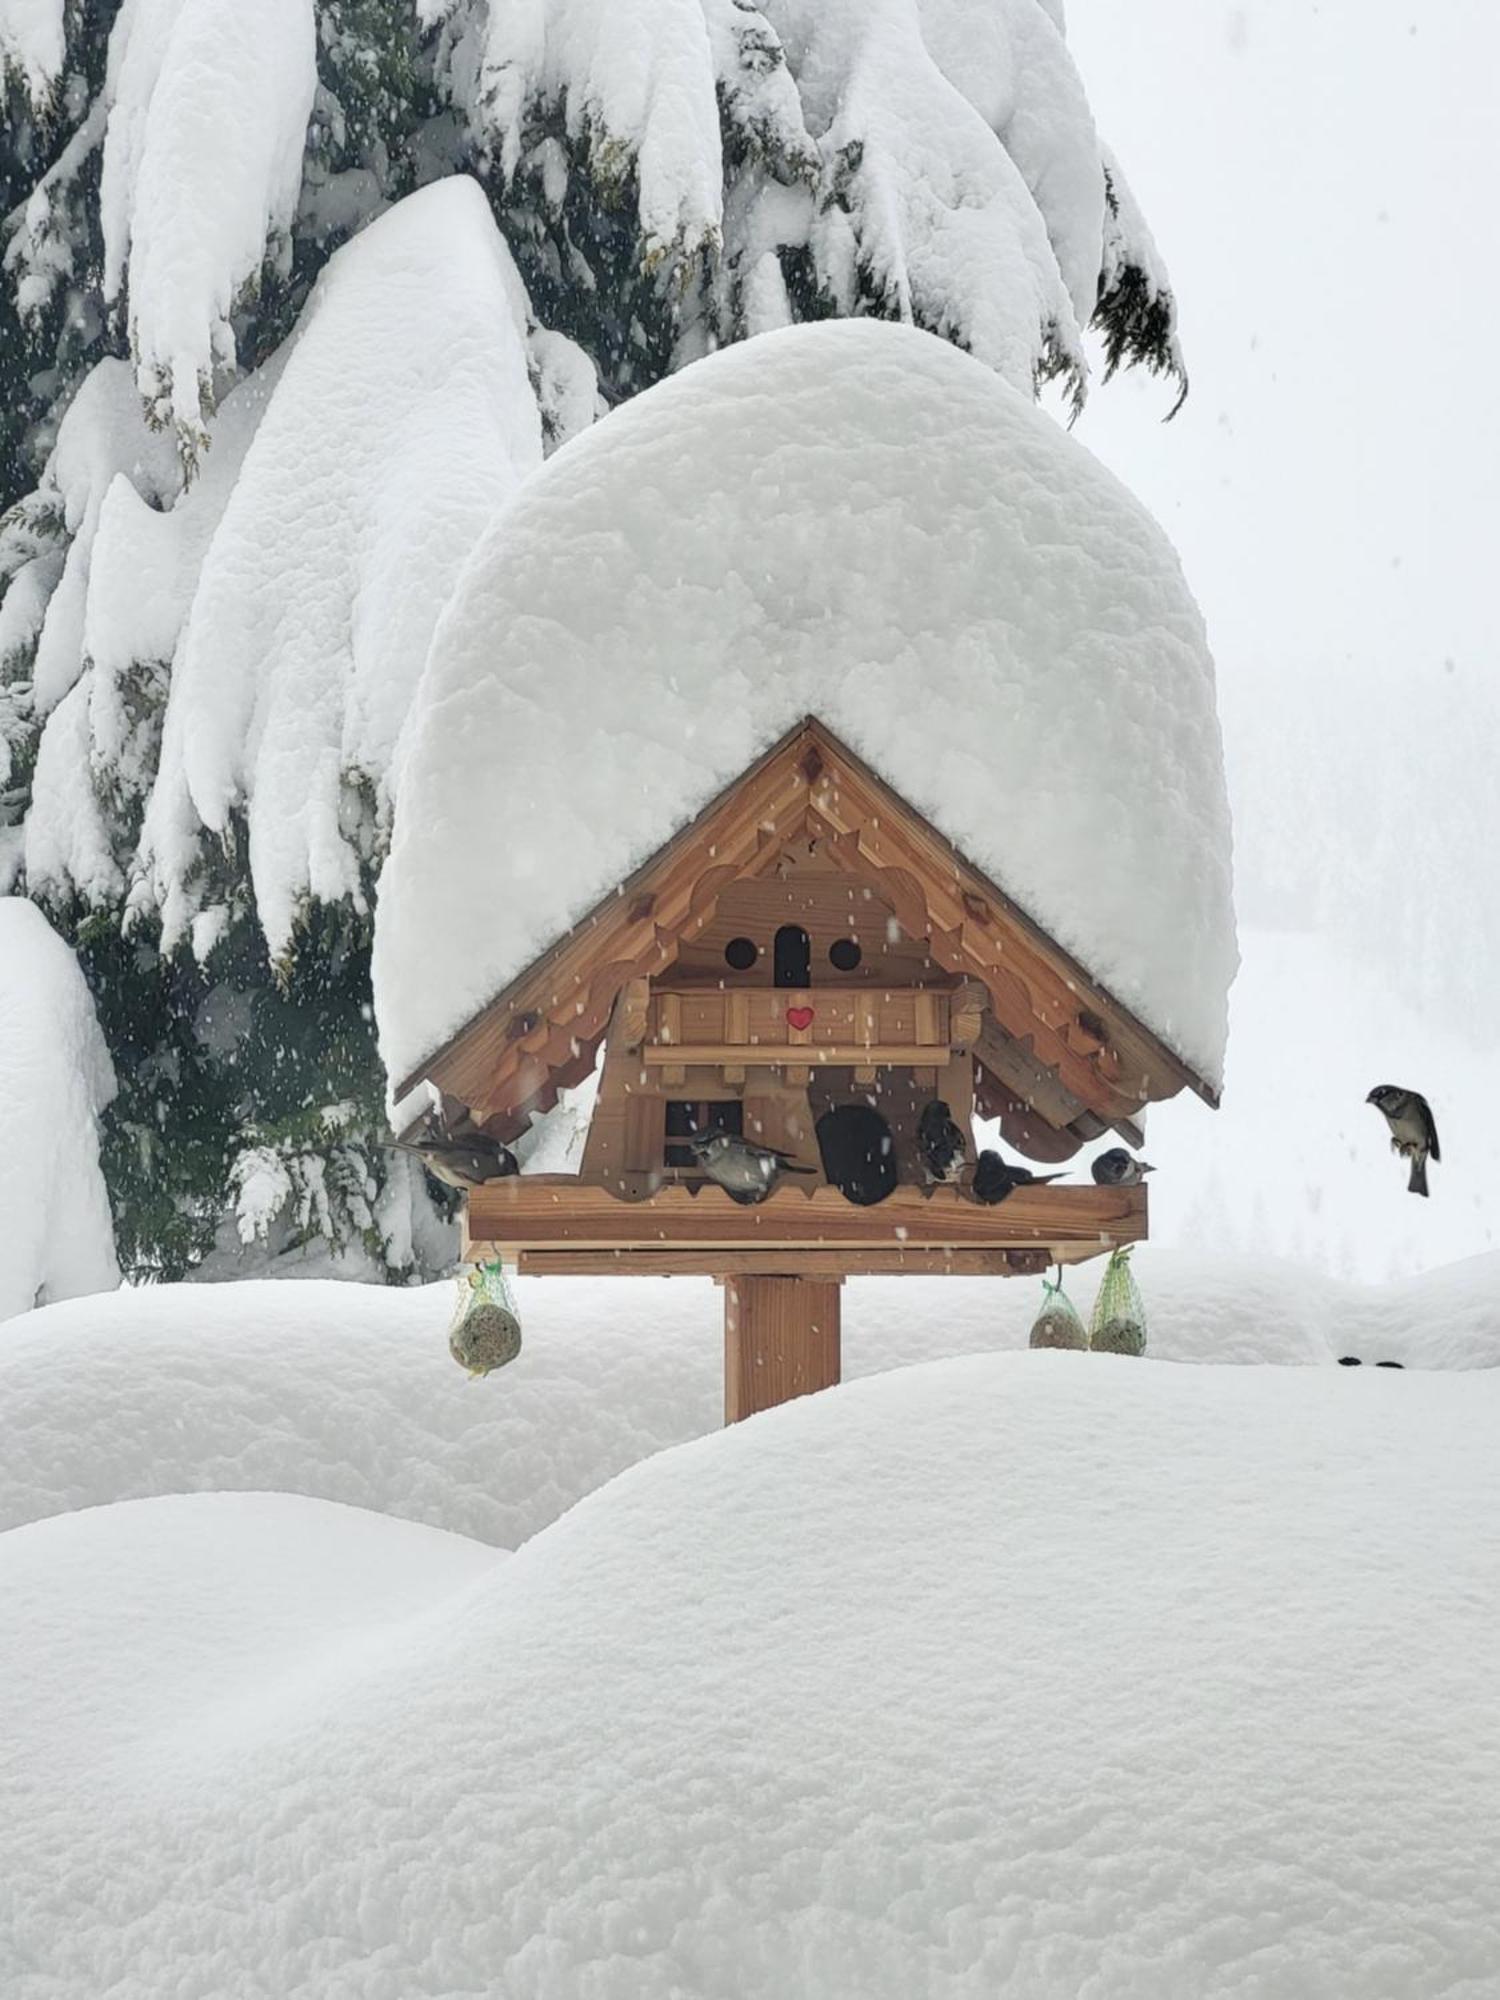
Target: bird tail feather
{"type": "Point", "coordinates": [1418, 1182]}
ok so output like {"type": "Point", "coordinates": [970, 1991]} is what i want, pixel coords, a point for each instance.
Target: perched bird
{"type": "Point", "coordinates": [746, 1172]}
{"type": "Point", "coordinates": [940, 1142]}
{"type": "Point", "coordinates": [458, 1153]}
{"type": "Point", "coordinates": [995, 1178]}
{"type": "Point", "coordinates": [1413, 1133]}
{"type": "Point", "coordinates": [1117, 1168]}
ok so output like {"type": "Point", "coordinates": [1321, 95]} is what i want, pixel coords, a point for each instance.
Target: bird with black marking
{"type": "Point", "coordinates": [940, 1143]}
{"type": "Point", "coordinates": [995, 1179]}
{"type": "Point", "coordinates": [746, 1172]}
{"type": "Point", "coordinates": [1413, 1129]}
{"type": "Point", "coordinates": [1117, 1168]}
{"type": "Point", "coordinates": [458, 1152]}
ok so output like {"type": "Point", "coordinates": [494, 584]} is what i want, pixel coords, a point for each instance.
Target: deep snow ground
{"type": "Point", "coordinates": [346, 1392]}
{"type": "Point", "coordinates": [1055, 1675]}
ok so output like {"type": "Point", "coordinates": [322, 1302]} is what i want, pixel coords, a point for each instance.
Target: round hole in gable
{"type": "Point", "coordinates": [740, 954]}
{"type": "Point", "coordinates": [844, 954]}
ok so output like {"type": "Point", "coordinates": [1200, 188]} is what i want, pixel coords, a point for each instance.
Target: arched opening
{"type": "Point", "coordinates": [859, 1157]}
{"type": "Point", "coordinates": [793, 957]}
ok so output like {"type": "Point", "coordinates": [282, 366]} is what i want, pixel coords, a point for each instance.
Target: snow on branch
{"type": "Point", "coordinates": [208, 110]}
{"type": "Point", "coordinates": [33, 46]}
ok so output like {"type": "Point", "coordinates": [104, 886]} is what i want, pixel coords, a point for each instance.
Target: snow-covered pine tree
{"type": "Point", "coordinates": [233, 518]}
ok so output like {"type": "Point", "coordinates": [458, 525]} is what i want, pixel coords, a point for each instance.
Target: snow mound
{"type": "Point", "coordinates": [403, 415]}
{"type": "Point", "coordinates": [56, 1232]}
{"type": "Point", "coordinates": [213, 96]}
{"type": "Point", "coordinates": [1047, 1674]}
{"type": "Point", "coordinates": [347, 1393]}
{"type": "Point", "coordinates": [853, 520]}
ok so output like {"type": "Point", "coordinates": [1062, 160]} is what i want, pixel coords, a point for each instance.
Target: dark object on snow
{"type": "Point", "coordinates": [941, 1142]}
{"type": "Point", "coordinates": [1350, 1361]}
{"type": "Point", "coordinates": [1118, 1325]}
{"type": "Point", "coordinates": [458, 1153]}
{"type": "Point", "coordinates": [1058, 1324]}
{"type": "Point", "coordinates": [995, 1179]}
{"type": "Point", "coordinates": [1390, 1364]}
{"type": "Point", "coordinates": [746, 1172]}
{"type": "Point", "coordinates": [1117, 1168]}
{"type": "Point", "coordinates": [858, 1156]}
{"type": "Point", "coordinates": [486, 1329]}
{"type": "Point", "coordinates": [1413, 1130]}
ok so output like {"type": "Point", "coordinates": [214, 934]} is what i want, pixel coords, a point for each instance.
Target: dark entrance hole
{"type": "Point", "coordinates": [859, 1158]}
{"type": "Point", "coordinates": [792, 965]}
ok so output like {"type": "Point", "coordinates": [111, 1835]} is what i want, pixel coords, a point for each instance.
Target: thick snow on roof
{"type": "Point", "coordinates": [853, 520]}
{"type": "Point", "coordinates": [167, 1389]}
{"type": "Point", "coordinates": [1052, 1674]}
{"type": "Point", "coordinates": [56, 1233]}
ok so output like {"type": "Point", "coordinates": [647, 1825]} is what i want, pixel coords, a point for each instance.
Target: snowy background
{"type": "Point", "coordinates": [1332, 488]}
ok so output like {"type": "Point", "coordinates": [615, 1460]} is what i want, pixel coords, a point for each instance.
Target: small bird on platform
{"type": "Point", "coordinates": [1413, 1131]}
{"type": "Point", "coordinates": [1117, 1168]}
{"type": "Point", "coordinates": [460, 1154]}
{"type": "Point", "coordinates": [746, 1172]}
{"type": "Point", "coordinates": [940, 1142]}
{"type": "Point", "coordinates": [995, 1179]}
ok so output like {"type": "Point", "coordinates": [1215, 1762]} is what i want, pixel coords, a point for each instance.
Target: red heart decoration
{"type": "Point", "coordinates": [799, 1017]}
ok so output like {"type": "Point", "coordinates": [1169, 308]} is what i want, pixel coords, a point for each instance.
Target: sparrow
{"type": "Point", "coordinates": [995, 1178]}
{"type": "Point", "coordinates": [1413, 1133]}
{"type": "Point", "coordinates": [464, 1158]}
{"type": "Point", "coordinates": [940, 1142]}
{"type": "Point", "coordinates": [1116, 1168]}
{"type": "Point", "coordinates": [746, 1172]}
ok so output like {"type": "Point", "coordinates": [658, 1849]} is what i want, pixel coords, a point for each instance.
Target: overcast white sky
{"type": "Point", "coordinates": [1320, 178]}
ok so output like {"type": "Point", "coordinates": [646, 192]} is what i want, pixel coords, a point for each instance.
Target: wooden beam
{"type": "Point", "coordinates": [799, 1263]}
{"type": "Point", "coordinates": [781, 1339]}
{"type": "Point", "coordinates": [557, 1212]}
{"type": "Point", "coordinates": [777, 1055]}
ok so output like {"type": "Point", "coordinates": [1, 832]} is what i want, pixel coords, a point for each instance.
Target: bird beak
{"type": "Point", "coordinates": [1146, 1167]}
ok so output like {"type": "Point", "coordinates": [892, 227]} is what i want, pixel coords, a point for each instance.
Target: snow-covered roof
{"type": "Point", "coordinates": [851, 520]}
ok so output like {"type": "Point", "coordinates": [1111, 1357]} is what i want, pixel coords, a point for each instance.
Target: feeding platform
{"type": "Point", "coordinates": [808, 966]}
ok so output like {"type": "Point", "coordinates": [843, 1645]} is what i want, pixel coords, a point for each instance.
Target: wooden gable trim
{"type": "Point", "coordinates": [541, 1033]}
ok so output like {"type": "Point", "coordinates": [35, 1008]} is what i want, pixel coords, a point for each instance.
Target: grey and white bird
{"type": "Point", "coordinates": [459, 1153]}
{"type": "Point", "coordinates": [746, 1172]}
{"type": "Point", "coordinates": [1117, 1168]}
{"type": "Point", "coordinates": [940, 1143]}
{"type": "Point", "coordinates": [1413, 1129]}
{"type": "Point", "coordinates": [995, 1179]}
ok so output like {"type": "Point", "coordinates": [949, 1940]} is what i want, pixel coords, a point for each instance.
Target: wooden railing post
{"type": "Point", "coordinates": [781, 1339]}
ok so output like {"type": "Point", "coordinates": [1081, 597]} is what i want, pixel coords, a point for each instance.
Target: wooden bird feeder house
{"type": "Point", "coordinates": [808, 964]}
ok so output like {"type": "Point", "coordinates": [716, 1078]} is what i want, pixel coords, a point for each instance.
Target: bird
{"type": "Point", "coordinates": [995, 1179]}
{"type": "Point", "coordinates": [1413, 1132]}
{"type": "Point", "coordinates": [746, 1172]}
{"type": "Point", "coordinates": [940, 1142]}
{"type": "Point", "coordinates": [461, 1155]}
{"type": "Point", "coordinates": [1117, 1168]}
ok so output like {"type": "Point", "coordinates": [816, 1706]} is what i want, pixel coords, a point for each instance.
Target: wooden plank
{"type": "Point", "coordinates": [781, 1339]}
{"type": "Point", "coordinates": [795, 1263]}
{"type": "Point", "coordinates": [554, 1211]}
{"type": "Point", "coordinates": [776, 1055]}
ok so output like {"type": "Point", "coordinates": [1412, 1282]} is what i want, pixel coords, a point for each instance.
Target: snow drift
{"type": "Point", "coordinates": [56, 1234]}
{"type": "Point", "coordinates": [1052, 1674]}
{"type": "Point", "coordinates": [852, 520]}
{"type": "Point", "coordinates": [347, 1393]}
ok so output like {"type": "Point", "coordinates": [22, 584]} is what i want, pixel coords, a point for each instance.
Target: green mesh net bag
{"type": "Point", "coordinates": [1118, 1325]}
{"type": "Point", "coordinates": [486, 1329]}
{"type": "Point", "coordinates": [1058, 1324]}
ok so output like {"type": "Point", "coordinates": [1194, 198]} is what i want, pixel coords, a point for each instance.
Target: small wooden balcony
{"type": "Point", "coordinates": [554, 1223]}
{"type": "Point", "coordinates": [864, 1028]}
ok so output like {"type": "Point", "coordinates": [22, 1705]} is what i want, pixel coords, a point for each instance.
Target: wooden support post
{"type": "Point", "coordinates": [781, 1339]}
